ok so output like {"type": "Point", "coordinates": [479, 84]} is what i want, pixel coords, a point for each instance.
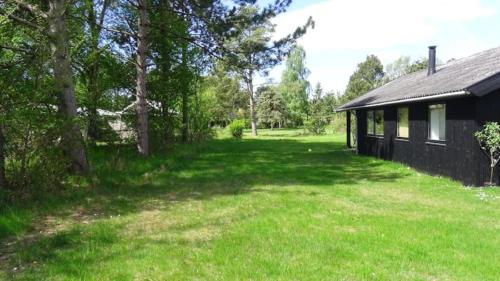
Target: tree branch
{"type": "Point", "coordinates": [26, 23]}
{"type": "Point", "coordinates": [123, 32]}
{"type": "Point", "coordinates": [14, 49]}
{"type": "Point", "coordinates": [31, 8]}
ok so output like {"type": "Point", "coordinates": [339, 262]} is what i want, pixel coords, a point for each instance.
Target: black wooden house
{"type": "Point", "coordinates": [427, 119]}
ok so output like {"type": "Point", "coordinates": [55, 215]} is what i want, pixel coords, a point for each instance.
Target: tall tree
{"type": "Point", "coordinates": [318, 112]}
{"type": "Point", "coordinates": [418, 65]}
{"type": "Point", "coordinates": [402, 66]}
{"type": "Point", "coordinates": [95, 14]}
{"type": "Point", "coordinates": [368, 75]}
{"type": "Point", "coordinates": [227, 98]}
{"type": "Point", "coordinates": [52, 23]}
{"type": "Point", "coordinates": [64, 84]}
{"type": "Point", "coordinates": [294, 85]}
{"type": "Point", "coordinates": [252, 50]}
{"type": "Point", "coordinates": [271, 108]}
{"type": "Point", "coordinates": [397, 68]}
{"type": "Point", "coordinates": [141, 92]}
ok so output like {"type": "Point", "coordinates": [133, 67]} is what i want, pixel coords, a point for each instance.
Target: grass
{"type": "Point", "coordinates": [282, 206]}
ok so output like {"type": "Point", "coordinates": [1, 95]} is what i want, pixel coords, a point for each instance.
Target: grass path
{"type": "Point", "coordinates": [278, 207]}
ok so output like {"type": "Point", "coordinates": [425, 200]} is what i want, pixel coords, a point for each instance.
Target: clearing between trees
{"type": "Point", "coordinates": [281, 206]}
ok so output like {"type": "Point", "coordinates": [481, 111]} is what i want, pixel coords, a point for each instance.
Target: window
{"type": "Point", "coordinates": [379, 122]}
{"type": "Point", "coordinates": [375, 122]}
{"type": "Point", "coordinates": [403, 124]}
{"type": "Point", "coordinates": [437, 122]}
{"type": "Point", "coordinates": [370, 125]}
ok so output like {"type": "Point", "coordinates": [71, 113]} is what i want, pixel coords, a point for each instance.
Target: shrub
{"type": "Point", "coordinates": [316, 125]}
{"type": "Point", "coordinates": [236, 128]}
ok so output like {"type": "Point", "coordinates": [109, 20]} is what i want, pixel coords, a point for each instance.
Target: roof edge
{"type": "Point", "coordinates": [424, 98]}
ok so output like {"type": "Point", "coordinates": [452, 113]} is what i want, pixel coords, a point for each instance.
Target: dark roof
{"type": "Point", "coordinates": [478, 74]}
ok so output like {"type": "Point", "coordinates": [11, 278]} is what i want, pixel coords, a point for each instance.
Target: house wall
{"type": "Point", "coordinates": [457, 158]}
{"type": "Point", "coordinates": [488, 109]}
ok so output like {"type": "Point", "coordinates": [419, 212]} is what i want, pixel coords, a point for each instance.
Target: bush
{"type": "Point", "coordinates": [236, 128]}
{"type": "Point", "coordinates": [316, 125]}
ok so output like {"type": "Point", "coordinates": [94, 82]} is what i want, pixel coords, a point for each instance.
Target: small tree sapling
{"type": "Point", "coordinates": [489, 141]}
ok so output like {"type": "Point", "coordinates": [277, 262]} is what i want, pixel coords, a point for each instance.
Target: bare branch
{"type": "Point", "coordinates": [119, 31]}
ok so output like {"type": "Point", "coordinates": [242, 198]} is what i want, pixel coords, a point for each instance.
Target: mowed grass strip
{"type": "Point", "coordinates": [281, 206]}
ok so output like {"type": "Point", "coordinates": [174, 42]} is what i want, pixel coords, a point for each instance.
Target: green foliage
{"type": "Point", "coordinates": [200, 119]}
{"type": "Point", "coordinates": [404, 65]}
{"type": "Point", "coordinates": [236, 128]}
{"type": "Point", "coordinates": [183, 102]}
{"type": "Point", "coordinates": [368, 75]}
{"type": "Point", "coordinates": [489, 140]}
{"type": "Point", "coordinates": [271, 108]}
{"type": "Point", "coordinates": [318, 119]}
{"type": "Point", "coordinates": [294, 86]}
{"type": "Point", "coordinates": [227, 100]}
{"type": "Point", "coordinates": [253, 50]}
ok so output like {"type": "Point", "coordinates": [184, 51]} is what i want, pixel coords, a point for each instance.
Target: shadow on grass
{"type": "Point", "coordinates": [227, 167]}
{"type": "Point", "coordinates": [128, 183]}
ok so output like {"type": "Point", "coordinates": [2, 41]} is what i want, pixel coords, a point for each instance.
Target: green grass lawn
{"type": "Point", "coordinates": [282, 206]}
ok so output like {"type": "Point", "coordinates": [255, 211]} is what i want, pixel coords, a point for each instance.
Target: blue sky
{"type": "Point", "coordinates": [349, 30]}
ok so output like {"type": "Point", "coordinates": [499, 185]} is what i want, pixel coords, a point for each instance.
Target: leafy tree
{"type": "Point", "coordinates": [368, 75]}
{"type": "Point", "coordinates": [418, 65]}
{"type": "Point", "coordinates": [251, 50]}
{"type": "Point", "coordinates": [271, 107]}
{"type": "Point", "coordinates": [489, 141]}
{"type": "Point", "coordinates": [397, 68]}
{"type": "Point", "coordinates": [402, 66]}
{"type": "Point", "coordinates": [91, 58]}
{"type": "Point", "coordinates": [51, 21]}
{"type": "Point", "coordinates": [318, 113]}
{"type": "Point", "coordinates": [225, 96]}
{"type": "Point", "coordinates": [294, 85]}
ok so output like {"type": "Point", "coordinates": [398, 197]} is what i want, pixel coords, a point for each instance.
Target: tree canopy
{"type": "Point", "coordinates": [368, 75]}
{"type": "Point", "coordinates": [294, 86]}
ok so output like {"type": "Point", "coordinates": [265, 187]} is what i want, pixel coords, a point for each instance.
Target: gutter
{"type": "Point", "coordinates": [425, 98]}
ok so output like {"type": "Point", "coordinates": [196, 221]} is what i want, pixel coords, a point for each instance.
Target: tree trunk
{"type": "Point", "coordinates": [141, 94]}
{"type": "Point", "coordinates": [72, 140]}
{"type": "Point", "coordinates": [253, 112]}
{"type": "Point", "coordinates": [185, 92]}
{"type": "Point", "coordinates": [3, 180]}
{"type": "Point", "coordinates": [492, 170]}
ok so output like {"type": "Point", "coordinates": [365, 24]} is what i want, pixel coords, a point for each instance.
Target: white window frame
{"type": "Point", "coordinates": [442, 125]}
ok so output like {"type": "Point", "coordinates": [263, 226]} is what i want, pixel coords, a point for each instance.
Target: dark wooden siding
{"type": "Point", "coordinates": [457, 158]}
{"type": "Point", "coordinates": [488, 109]}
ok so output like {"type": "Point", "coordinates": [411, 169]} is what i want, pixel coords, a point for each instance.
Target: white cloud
{"type": "Point", "coordinates": [361, 24]}
{"type": "Point", "coordinates": [348, 30]}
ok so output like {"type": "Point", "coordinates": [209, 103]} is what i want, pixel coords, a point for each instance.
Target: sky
{"type": "Point", "coordinates": [347, 31]}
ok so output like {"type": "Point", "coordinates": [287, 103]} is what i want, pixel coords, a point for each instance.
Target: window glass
{"type": "Point", "coordinates": [379, 122]}
{"type": "Point", "coordinates": [370, 129]}
{"type": "Point", "coordinates": [437, 122]}
{"type": "Point", "coordinates": [403, 124]}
